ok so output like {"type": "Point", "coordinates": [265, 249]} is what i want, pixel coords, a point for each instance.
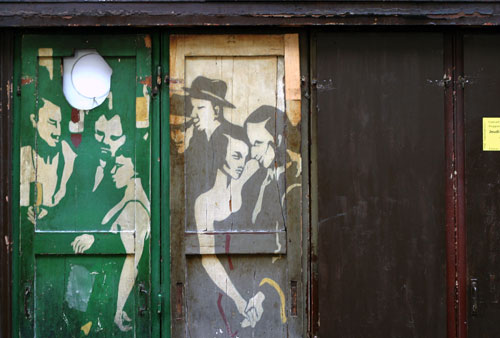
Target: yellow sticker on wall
{"type": "Point", "coordinates": [491, 133]}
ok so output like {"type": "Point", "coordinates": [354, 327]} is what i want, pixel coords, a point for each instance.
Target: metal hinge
{"type": "Point", "coordinates": [462, 80]}
{"type": "Point", "coordinates": [158, 82]}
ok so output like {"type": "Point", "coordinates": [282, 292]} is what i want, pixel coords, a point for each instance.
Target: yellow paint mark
{"type": "Point", "coordinates": [45, 60]}
{"type": "Point", "coordinates": [293, 111]}
{"type": "Point", "coordinates": [141, 109]}
{"type": "Point", "coordinates": [147, 41]}
{"type": "Point", "coordinates": [281, 294]}
{"type": "Point", "coordinates": [86, 328]}
{"type": "Point", "coordinates": [39, 194]}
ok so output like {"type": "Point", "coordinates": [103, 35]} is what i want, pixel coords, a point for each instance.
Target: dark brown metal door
{"type": "Point", "coordinates": [482, 174]}
{"type": "Point", "coordinates": [381, 168]}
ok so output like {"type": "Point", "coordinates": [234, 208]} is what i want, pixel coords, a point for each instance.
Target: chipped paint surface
{"type": "Point", "coordinates": [147, 41]}
{"type": "Point", "coordinates": [45, 60]}
{"type": "Point", "coordinates": [86, 328]}
{"type": "Point", "coordinates": [142, 107]}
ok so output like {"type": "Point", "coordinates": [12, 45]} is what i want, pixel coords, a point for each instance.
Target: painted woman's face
{"type": "Point", "coordinates": [123, 171]}
{"type": "Point", "coordinates": [236, 156]}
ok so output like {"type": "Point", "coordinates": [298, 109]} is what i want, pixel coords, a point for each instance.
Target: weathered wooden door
{"type": "Point", "coordinates": [381, 166]}
{"type": "Point", "coordinates": [84, 216]}
{"type": "Point", "coordinates": [236, 186]}
{"type": "Point", "coordinates": [481, 86]}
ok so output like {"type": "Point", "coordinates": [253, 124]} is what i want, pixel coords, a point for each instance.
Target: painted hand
{"type": "Point", "coordinates": [120, 318]}
{"type": "Point", "coordinates": [82, 243]}
{"type": "Point", "coordinates": [254, 310]}
{"type": "Point", "coordinates": [31, 214]}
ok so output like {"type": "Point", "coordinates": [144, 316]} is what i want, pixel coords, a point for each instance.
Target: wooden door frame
{"type": "Point", "coordinates": [456, 257]}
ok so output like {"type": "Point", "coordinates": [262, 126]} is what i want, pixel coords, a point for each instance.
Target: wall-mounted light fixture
{"type": "Point", "coordinates": [86, 79]}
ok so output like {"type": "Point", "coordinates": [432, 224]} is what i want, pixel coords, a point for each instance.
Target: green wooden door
{"type": "Point", "coordinates": [84, 213]}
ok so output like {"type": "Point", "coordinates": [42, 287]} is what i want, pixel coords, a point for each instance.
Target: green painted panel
{"type": "Point", "coordinates": [84, 202]}
{"type": "Point", "coordinates": [57, 243]}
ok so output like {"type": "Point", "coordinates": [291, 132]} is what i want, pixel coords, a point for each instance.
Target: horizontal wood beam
{"type": "Point", "coordinates": [243, 13]}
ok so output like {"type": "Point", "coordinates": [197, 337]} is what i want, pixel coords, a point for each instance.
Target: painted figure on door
{"type": "Point", "coordinates": [130, 217]}
{"type": "Point", "coordinates": [217, 204]}
{"type": "Point", "coordinates": [45, 171]}
{"type": "Point", "coordinates": [181, 126]}
{"type": "Point", "coordinates": [206, 123]}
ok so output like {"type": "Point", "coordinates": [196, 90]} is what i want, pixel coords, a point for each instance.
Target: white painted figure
{"type": "Point", "coordinates": [217, 204]}
{"type": "Point", "coordinates": [130, 217]}
{"type": "Point", "coordinates": [43, 164]}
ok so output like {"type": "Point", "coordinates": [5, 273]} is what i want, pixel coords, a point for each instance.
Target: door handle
{"type": "Point", "coordinates": [474, 296]}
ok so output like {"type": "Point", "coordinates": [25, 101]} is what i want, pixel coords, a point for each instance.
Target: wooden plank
{"type": "Point", "coordinates": [233, 45]}
{"type": "Point", "coordinates": [59, 243]}
{"type": "Point", "coordinates": [292, 67]}
{"type": "Point", "coordinates": [236, 243]}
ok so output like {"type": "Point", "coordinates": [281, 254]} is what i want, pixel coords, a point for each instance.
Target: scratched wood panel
{"type": "Point", "coordinates": [236, 159]}
{"type": "Point", "coordinates": [84, 190]}
{"type": "Point", "coordinates": [482, 182]}
{"type": "Point", "coordinates": [380, 130]}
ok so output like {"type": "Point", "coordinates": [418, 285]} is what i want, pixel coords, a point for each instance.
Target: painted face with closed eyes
{"type": "Point", "coordinates": [262, 143]}
{"type": "Point", "coordinates": [236, 156]}
{"type": "Point", "coordinates": [109, 134]}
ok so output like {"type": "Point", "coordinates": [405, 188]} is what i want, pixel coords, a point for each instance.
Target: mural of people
{"type": "Point", "coordinates": [217, 204]}
{"type": "Point", "coordinates": [262, 128]}
{"type": "Point", "coordinates": [131, 218]}
{"type": "Point", "coordinates": [50, 165]}
{"type": "Point", "coordinates": [109, 135]}
{"type": "Point", "coordinates": [206, 100]}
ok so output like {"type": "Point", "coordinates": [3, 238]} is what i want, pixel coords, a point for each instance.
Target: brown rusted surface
{"type": "Point", "coordinates": [26, 81]}
{"type": "Point", "coordinates": [146, 81]}
{"type": "Point", "coordinates": [6, 92]}
{"type": "Point", "coordinates": [282, 13]}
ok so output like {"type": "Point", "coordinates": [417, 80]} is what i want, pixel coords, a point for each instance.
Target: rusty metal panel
{"type": "Point", "coordinates": [482, 183]}
{"type": "Point", "coordinates": [380, 140]}
{"type": "Point", "coordinates": [236, 160]}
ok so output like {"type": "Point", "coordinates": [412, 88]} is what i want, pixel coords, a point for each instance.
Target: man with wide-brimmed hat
{"type": "Point", "coordinates": [208, 100]}
{"type": "Point", "coordinates": [205, 122]}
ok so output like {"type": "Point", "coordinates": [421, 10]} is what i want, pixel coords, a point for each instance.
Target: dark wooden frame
{"type": "Point", "coordinates": [6, 98]}
{"type": "Point", "coordinates": [456, 257]}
